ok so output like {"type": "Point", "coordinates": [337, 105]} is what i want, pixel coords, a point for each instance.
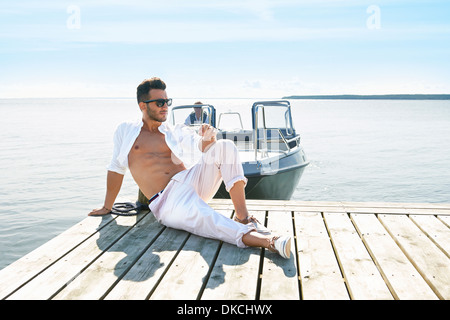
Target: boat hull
{"type": "Point", "coordinates": [279, 184]}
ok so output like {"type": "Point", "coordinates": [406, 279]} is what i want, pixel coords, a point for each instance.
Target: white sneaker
{"type": "Point", "coordinates": [255, 223]}
{"type": "Point", "coordinates": [258, 226]}
{"type": "Point", "coordinates": [281, 245]}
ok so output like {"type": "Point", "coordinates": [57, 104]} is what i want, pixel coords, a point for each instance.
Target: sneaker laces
{"type": "Point", "coordinates": [247, 220]}
{"type": "Point", "coordinates": [271, 246]}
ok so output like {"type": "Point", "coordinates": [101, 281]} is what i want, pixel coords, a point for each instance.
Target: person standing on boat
{"type": "Point", "coordinates": [179, 170]}
{"type": "Point", "coordinates": [197, 116]}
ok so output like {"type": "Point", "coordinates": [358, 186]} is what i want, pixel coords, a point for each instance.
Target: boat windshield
{"type": "Point", "coordinates": [193, 115]}
{"type": "Point", "coordinates": [272, 131]}
{"type": "Point", "coordinates": [275, 117]}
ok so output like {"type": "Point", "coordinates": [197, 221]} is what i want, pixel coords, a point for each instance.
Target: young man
{"type": "Point", "coordinates": [180, 170]}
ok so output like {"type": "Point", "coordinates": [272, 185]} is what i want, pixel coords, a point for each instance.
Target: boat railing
{"type": "Point", "coordinates": [284, 140]}
{"type": "Point", "coordinates": [230, 113]}
{"type": "Point", "coordinates": [284, 145]}
{"type": "Point", "coordinates": [272, 141]}
{"type": "Point", "coordinates": [257, 138]}
{"type": "Point", "coordinates": [261, 140]}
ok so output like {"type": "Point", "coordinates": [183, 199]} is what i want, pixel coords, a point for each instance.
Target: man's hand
{"type": "Point", "coordinates": [113, 184]}
{"type": "Point", "coordinates": [99, 212]}
{"type": "Point", "coordinates": [209, 135]}
{"type": "Point", "coordinates": [208, 132]}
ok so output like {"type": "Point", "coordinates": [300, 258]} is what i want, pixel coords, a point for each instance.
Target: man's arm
{"type": "Point", "coordinates": [113, 183]}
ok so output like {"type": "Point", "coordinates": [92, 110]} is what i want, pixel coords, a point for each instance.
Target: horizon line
{"type": "Point", "coordinates": [309, 96]}
{"type": "Point", "coordinates": [395, 96]}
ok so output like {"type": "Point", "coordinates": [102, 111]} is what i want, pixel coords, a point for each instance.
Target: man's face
{"type": "Point", "coordinates": [198, 111]}
{"type": "Point", "coordinates": [154, 112]}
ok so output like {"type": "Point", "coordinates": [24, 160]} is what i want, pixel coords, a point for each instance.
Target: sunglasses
{"type": "Point", "coordinates": [160, 102]}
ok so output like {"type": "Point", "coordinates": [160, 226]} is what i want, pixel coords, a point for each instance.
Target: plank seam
{"type": "Point", "coordinates": [299, 281]}
{"type": "Point", "coordinates": [168, 267]}
{"type": "Point", "coordinates": [261, 263]}
{"type": "Point", "coordinates": [132, 263]}
{"type": "Point", "coordinates": [213, 263]}
{"type": "Point", "coordinates": [341, 268]}
{"type": "Point", "coordinates": [374, 259]}
{"type": "Point", "coordinates": [210, 270]}
{"type": "Point", "coordinates": [430, 237]}
{"type": "Point", "coordinates": [407, 255]}
{"type": "Point", "coordinates": [97, 257]}
{"type": "Point", "coordinates": [440, 219]}
{"type": "Point", "coordinates": [51, 264]}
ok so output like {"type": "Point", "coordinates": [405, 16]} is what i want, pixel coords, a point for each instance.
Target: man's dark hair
{"type": "Point", "coordinates": [144, 88]}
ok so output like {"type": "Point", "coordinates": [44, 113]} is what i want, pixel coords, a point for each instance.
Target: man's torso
{"type": "Point", "coordinates": [152, 163]}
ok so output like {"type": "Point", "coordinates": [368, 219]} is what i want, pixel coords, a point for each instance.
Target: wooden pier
{"type": "Point", "coordinates": [342, 250]}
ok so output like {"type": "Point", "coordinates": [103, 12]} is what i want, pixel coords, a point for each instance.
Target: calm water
{"type": "Point", "coordinates": [54, 154]}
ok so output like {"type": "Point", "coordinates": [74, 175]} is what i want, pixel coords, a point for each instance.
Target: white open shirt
{"type": "Point", "coordinates": [183, 141]}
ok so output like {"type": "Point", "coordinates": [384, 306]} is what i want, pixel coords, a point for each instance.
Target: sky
{"type": "Point", "coordinates": [223, 48]}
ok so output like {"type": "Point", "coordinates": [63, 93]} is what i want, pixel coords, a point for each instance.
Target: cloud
{"type": "Point", "coordinates": [252, 84]}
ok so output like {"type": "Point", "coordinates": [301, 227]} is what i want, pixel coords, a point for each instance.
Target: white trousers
{"type": "Point", "coordinates": [183, 205]}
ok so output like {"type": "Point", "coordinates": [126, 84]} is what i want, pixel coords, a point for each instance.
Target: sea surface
{"type": "Point", "coordinates": [54, 153]}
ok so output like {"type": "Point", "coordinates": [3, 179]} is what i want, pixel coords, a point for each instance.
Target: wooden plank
{"type": "Point", "coordinates": [372, 204]}
{"type": "Point", "coordinates": [93, 282]}
{"type": "Point", "coordinates": [62, 272]}
{"type": "Point", "coordinates": [320, 275]}
{"type": "Point", "coordinates": [188, 273]}
{"type": "Point", "coordinates": [437, 231]}
{"type": "Point", "coordinates": [279, 280]}
{"type": "Point", "coordinates": [283, 204]}
{"type": "Point", "coordinates": [144, 276]}
{"type": "Point", "coordinates": [428, 259]}
{"type": "Point", "coordinates": [97, 255]}
{"type": "Point", "coordinates": [236, 271]}
{"type": "Point", "coordinates": [317, 207]}
{"type": "Point", "coordinates": [427, 211]}
{"type": "Point", "coordinates": [405, 205]}
{"type": "Point", "coordinates": [362, 276]}
{"type": "Point", "coordinates": [23, 270]}
{"type": "Point", "coordinates": [262, 202]}
{"type": "Point", "coordinates": [185, 278]}
{"type": "Point", "coordinates": [444, 219]}
{"type": "Point", "coordinates": [371, 210]}
{"type": "Point", "coordinates": [279, 205]}
{"type": "Point", "coordinates": [400, 275]}
{"type": "Point", "coordinates": [276, 207]}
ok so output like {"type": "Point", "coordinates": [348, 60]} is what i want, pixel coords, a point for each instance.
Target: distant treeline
{"type": "Point", "coordinates": [376, 97]}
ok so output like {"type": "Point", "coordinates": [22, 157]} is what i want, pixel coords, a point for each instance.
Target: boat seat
{"type": "Point", "coordinates": [241, 135]}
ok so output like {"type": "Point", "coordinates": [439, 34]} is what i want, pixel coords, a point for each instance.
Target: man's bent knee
{"type": "Point", "coordinates": [222, 152]}
{"type": "Point", "coordinates": [228, 151]}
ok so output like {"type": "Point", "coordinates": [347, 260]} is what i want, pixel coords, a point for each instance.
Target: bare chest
{"type": "Point", "coordinates": [148, 145]}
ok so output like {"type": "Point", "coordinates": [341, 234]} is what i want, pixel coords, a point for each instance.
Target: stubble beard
{"type": "Point", "coordinates": [153, 116]}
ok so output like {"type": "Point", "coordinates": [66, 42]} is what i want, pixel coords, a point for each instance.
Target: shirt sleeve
{"type": "Point", "coordinates": [114, 165]}
{"type": "Point", "coordinates": [190, 140]}
{"type": "Point", "coordinates": [185, 144]}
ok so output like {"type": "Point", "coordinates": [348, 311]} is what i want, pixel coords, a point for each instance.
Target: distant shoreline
{"type": "Point", "coordinates": [375, 97]}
